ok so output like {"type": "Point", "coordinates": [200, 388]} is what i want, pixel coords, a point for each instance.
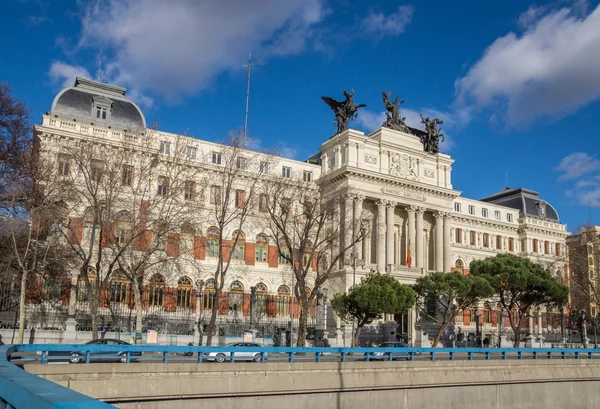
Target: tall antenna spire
{"type": "Point", "coordinates": [247, 100]}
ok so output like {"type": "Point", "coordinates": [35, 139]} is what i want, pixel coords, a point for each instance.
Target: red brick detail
{"type": "Point", "coordinates": [271, 306]}
{"type": "Point", "coordinates": [224, 303]}
{"type": "Point", "coordinates": [466, 317]}
{"type": "Point", "coordinates": [315, 257]}
{"type": "Point", "coordinates": [200, 248]}
{"type": "Point", "coordinates": [296, 308]}
{"type": "Point", "coordinates": [66, 291]}
{"type": "Point", "coordinates": [172, 245]}
{"type": "Point", "coordinates": [273, 256]}
{"type": "Point", "coordinates": [249, 255]}
{"type": "Point", "coordinates": [34, 291]}
{"type": "Point", "coordinates": [75, 230]}
{"type": "Point", "coordinates": [170, 300]}
{"type": "Point", "coordinates": [226, 250]}
{"type": "Point", "coordinates": [105, 297]}
{"type": "Point", "coordinates": [194, 300]}
{"type": "Point", "coordinates": [494, 317]}
{"type": "Point", "coordinates": [246, 305]}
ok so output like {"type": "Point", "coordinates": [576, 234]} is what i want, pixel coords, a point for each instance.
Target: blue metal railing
{"type": "Point", "coordinates": [127, 353]}
{"type": "Point", "coordinates": [21, 390]}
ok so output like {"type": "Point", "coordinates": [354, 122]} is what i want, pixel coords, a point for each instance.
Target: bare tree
{"type": "Point", "coordinates": [234, 182]}
{"type": "Point", "coordinates": [302, 224]}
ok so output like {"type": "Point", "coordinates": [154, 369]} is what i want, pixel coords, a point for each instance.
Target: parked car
{"type": "Point", "coordinates": [239, 356]}
{"type": "Point", "coordinates": [386, 355]}
{"type": "Point", "coordinates": [79, 356]}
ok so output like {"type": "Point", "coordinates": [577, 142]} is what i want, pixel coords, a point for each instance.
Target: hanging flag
{"type": "Point", "coordinates": [408, 258]}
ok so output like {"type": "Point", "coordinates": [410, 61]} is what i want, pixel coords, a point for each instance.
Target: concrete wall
{"type": "Point", "coordinates": [410, 385]}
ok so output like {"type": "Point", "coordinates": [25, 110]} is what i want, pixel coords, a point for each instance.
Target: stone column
{"type": "Point", "coordinates": [390, 233]}
{"type": "Point", "coordinates": [337, 157]}
{"type": "Point", "coordinates": [358, 207]}
{"type": "Point", "coordinates": [348, 223]}
{"type": "Point", "coordinates": [324, 163]}
{"type": "Point", "coordinates": [381, 235]}
{"type": "Point", "coordinates": [439, 241]}
{"type": "Point", "coordinates": [420, 249]}
{"type": "Point", "coordinates": [336, 227]}
{"type": "Point", "coordinates": [411, 234]}
{"type": "Point", "coordinates": [447, 243]}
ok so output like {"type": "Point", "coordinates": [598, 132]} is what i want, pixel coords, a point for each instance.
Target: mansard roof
{"type": "Point", "coordinates": [526, 201]}
{"type": "Point", "coordinates": [77, 103]}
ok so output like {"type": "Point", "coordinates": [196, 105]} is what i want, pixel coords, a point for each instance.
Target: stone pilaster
{"type": "Point", "coordinates": [412, 233]}
{"type": "Point", "coordinates": [439, 241]}
{"type": "Point", "coordinates": [420, 250]}
{"type": "Point", "coordinates": [389, 241]}
{"type": "Point", "coordinates": [447, 242]}
{"type": "Point", "coordinates": [381, 235]}
{"type": "Point", "coordinates": [358, 207]}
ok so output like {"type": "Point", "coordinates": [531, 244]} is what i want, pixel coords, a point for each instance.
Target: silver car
{"type": "Point", "coordinates": [239, 356]}
{"type": "Point", "coordinates": [395, 355]}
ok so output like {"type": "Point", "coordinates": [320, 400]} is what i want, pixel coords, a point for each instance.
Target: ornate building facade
{"type": "Point", "coordinates": [417, 221]}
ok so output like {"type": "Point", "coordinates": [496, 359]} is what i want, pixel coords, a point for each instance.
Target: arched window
{"type": "Point", "coordinates": [283, 300]}
{"type": "Point", "coordinates": [85, 285]}
{"type": "Point", "coordinates": [184, 293]}
{"type": "Point", "coordinates": [209, 294]}
{"type": "Point", "coordinates": [236, 296]}
{"type": "Point", "coordinates": [262, 248]}
{"type": "Point", "coordinates": [119, 286]}
{"type": "Point", "coordinates": [260, 299]}
{"type": "Point", "coordinates": [459, 263]}
{"type": "Point", "coordinates": [487, 313]}
{"type": "Point", "coordinates": [212, 242]}
{"type": "Point", "coordinates": [91, 230]}
{"type": "Point", "coordinates": [156, 291]}
{"type": "Point", "coordinates": [186, 240]}
{"type": "Point", "coordinates": [123, 228]}
{"type": "Point", "coordinates": [240, 243]}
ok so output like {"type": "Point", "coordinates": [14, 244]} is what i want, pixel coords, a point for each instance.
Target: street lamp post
{"type": "Point", "coordinates": [477, 329]}
{"type": "Point", "coordinates": [563, 341]}
{"type": "Point", "coordinates": [354, 262]}
{"type": "Point", "coordinates": [199, 295]}
{"type": "Point", "coordinates": [252, 305]}
{"type": "Point", "coordinates": [500, 323]}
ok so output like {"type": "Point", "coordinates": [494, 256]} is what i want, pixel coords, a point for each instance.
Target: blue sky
{"type": "Point", "coordinates": [517, 84]}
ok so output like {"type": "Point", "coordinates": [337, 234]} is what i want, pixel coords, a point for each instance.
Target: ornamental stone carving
{"type": "Point", "coordinates": [391, 204]}
{"type": "Point", "coordinates": [370, 159]}
{"type": "Point", "coordinates": [404, 166]}
{"type": "Point", "coordinates": [359, 198]}
{"type": "Point", "coordinates": [420, 209]}
{"type": "Point", "coordinates": [429, 173]}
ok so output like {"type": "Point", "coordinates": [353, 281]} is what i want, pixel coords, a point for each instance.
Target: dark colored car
{"type": "Point", "coordinates": [79, 356]}
{"type": "Point", "coordinates": [395, 355]}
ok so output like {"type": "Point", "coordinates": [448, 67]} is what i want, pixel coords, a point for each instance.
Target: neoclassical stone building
{"type": "Point", "coordinates": [404, 194]}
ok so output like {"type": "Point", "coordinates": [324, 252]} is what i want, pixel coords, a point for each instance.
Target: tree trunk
{"type": "Point", "coordinates": [138, 313]}
{"type": "Point", "coordinates": [517, 333]}
{"type": "Point", "coordinates": [302, 325]}
{"type": "Point", "coordinates": [439, 333]}
{"type": "Point", "coordinates": [357, 334]}
{"type": "Point", "coordinates": [213, 318]}
{"type": "Point", "coordinates": [22, 307]}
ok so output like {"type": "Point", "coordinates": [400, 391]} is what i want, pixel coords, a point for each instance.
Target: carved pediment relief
{"type": "Point", "coordinates": [403, 165]}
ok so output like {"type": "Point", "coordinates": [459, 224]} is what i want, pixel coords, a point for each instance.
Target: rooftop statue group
{"type": "Point", "coordinates": [347, 110]}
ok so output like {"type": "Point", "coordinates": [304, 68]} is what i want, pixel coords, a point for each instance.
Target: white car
{"type": "Point", "coordinates": [239, 356]}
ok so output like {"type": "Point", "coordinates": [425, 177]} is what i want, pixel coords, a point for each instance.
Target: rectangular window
{"type": "Point", "coordinates": [264, 167]}
{"type": "Point", "coordinates": [546, 247]}
{"type": "Point", "coordinates": [473, 237]}
{"type": "Point", "coordinates": [163, 186]}
{"type": "Point", "coordinates": [240, 198]}
{"type": "Point", "coordinates": [189, 190]}
{"type": "Point", "coordinates": [284, 256]}
{"type": "Point", "coordinates": [96, 171]}
{"type": "Point", "coordinates": [160, 241]}
{"type": "Point", "coordinates": [186, 243]}
{"type": "Point", "coordinates": [557, 249]}
{"type": "Point", "coordinates": [215, 195]}
{"type": "Point", "coordinates": [471, 209]}
{"type": "Point", "coordinates": [216, 158]}
{"type": "Point", "coordinates": [497, 215]}
{"type": "Point", "coordinates": [260, 252]}
{"type": "Point", "coordinates": [100, 112]}
{"type": "Point", "coordinates": [498, 242]}
{"type": "Point", "coordinates": [484, 212]}
{"type": "Point", "coordinates": [64, 165]}
{"type": "Point", "coordinates": [191, 153]}
{"type": "Point", "coordinates": [509, 218]}
{"type": "Point", "coordinates": [165, 147]}
{"type": "Point", "coordinates": [127, 176]}
{"type": "Point", "coordinates": [240, 162]}
{"type": "Point", "coordinates": [511, 244]}
{"type": "Point", "coordinates": [286, 172]}
{"type": "Point", "coordinates": [263, 203]}
{"type": "Point", "coordinates": [535, 246]}
{"type": "Point", "coordinates": [486, 240]}
{"type": "Point", "coordinates": [457, 207]}
{"type": "Point", "coordinates": [307, 176]}
{"type": "Point", "coordinates": [285, 206]}
{"type": "Point", "coordinates": [458, 236]}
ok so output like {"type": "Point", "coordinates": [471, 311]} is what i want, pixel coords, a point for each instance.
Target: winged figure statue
{"type": "Point", "coordinates": [394, 120]}
{"type": "Point", "coordinates": [433, 134]}
{"type": "Point", "coordinates": [344, 111]}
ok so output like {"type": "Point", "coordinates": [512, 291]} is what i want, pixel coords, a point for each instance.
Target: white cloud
{"type": "Point", "coordinates": [550, 70]}
{"type": "Point", "coordinates": [576, 165]}
{"type": "Point", "coordinates": [65, 73]}
{"type": "Point", "coordinates": [584, 170]}
{"type": "Point", "coordinates": [380, 25]}
{"type": "Point", "coordinates": [174, 48]}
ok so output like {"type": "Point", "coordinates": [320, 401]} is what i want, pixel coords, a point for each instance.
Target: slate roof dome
{"type": "Point", "coordinates": [526, 201]}
{"type": "Point", "coordinates": [93, 102]}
